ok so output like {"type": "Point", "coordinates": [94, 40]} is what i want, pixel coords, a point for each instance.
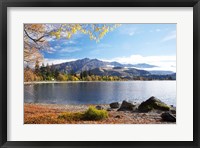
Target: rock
{"type": "Point", "coordinates": [109, 109]}
{"type": "Point", "coordinates": [173, 111]}
{"type": "Point", "coordinates": [99, 107]}
{"type": "Point", "coordinates": [168, 117]}
{"type": "Point", "coordinates": [126, 106]}
{"type": "Point", "coordinates": [151, 104]}
{"type": "Point", "coordinates": [114, 105]}
{"type": "Point", "coordinates": [118, 116]}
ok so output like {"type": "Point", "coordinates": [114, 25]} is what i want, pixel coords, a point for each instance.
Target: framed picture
{"type": "Point", "coordinates": [99, 73]}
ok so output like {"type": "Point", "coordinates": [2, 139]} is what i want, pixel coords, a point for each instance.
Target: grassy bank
{"type": "Point", "coordinates": [80, 114]}
{"type": "Point", "coordinates": [52, 82]}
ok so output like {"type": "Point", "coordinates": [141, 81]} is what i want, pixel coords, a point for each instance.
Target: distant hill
{"type": "Point", "coordinates": [144, 65]}
{"type": "Point", "coordinates": [160, 72]}
{"type": "Point", "coordinates": [120, 72]}
{"type": "Point", "coordinates": [89, 64]}
{"type": "Point", "coordinates": [104, 68]}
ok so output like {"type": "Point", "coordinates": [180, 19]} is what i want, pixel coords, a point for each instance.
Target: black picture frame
{"type": "Point", "coordinates": [4, 4]}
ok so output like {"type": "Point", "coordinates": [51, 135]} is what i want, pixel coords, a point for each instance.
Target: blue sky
{"type": "Point", "coordinates": [129, 43]}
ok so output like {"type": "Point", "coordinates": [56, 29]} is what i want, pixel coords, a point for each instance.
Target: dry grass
{"type": "Point", "coordinates": [71, 114]}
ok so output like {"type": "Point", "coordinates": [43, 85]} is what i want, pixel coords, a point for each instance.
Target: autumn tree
{"type": "Point", "coordinates": [28, 75]}
{"type": "Point", "coordinates": [62, 77]}
{"type": "Point", "coordinates": [37, 36]}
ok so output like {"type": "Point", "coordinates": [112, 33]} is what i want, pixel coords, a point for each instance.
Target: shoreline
{"type": "Point", "coordinates": [54, 82]}
{"type": "Point", "coordinates": [41, 113]}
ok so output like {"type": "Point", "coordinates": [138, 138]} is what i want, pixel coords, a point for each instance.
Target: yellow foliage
{"type": "Point", "coordinates": [69, 35]}
{"type": "Point", "coordinates": [93, 114]}
{"type": "Point", "coordinates": [62, 77]}
{"type": "Point", "coordinates": [36, 35]}
{"type": "Point", "coordinates": [74, 78]}
{"type": "Point", "coordinates": [74, 30]}
{"type": "Point", "coordinates": [78, 27]}
{"type": "Point", "coordinates": [97, 29]}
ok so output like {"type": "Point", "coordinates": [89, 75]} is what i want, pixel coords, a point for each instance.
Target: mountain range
{"type": "Point", "coordinates": [98, 67]}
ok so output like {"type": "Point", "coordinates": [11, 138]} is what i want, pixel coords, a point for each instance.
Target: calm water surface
{"type": "Point", "coordinates": [100, 92]}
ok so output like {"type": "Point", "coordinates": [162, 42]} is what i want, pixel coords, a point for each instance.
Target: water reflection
{"type": "Point", "coordinates": [100, 92]}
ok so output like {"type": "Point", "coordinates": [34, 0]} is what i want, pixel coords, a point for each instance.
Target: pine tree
{"type": "Point", "coordinates": [37, 67]}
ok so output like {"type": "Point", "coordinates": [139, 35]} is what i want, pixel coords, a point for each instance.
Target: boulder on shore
{"type": "Point", "coordinates": [168, 117]}
{"type": "Point", "coordinates": [126, 106]}
{"type": "Point", "coordinates": [151, 104]}
{"type": "Point", "coordinates": [109, 109]}
{"type": "Point", "coordinates": [99, 107]}
{"type": "Point", "coordinates": [173, 110]}
{"type": "Point", "coordinates": [114, 105]}
{"type": "Point", "coordinates": [118, 116]}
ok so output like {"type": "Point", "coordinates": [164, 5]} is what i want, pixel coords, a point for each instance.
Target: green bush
{"type": "Point", "coordinates": [90, 114]}
{"type": "Point", "coordinates": [93, 114]}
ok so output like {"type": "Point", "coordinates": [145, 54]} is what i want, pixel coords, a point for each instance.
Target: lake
{"type": "Point", "coordinates": [100, 92]}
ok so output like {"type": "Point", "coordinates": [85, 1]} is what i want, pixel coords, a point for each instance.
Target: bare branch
{"type": "Point", "coordinates": [35, 40]}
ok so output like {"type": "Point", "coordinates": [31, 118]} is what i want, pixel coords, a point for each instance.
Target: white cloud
{"type": "Point", "coordinates": [48, 51]}
{"type": "Point", "coordinates": [57, 61]}
{"type": "Point", "coordinates": [131, 33]}
{"type": "Point", "coordinates": [155, 30]}
{"type": "Point", "coordinates": [128, 31]}
{"type": "Point", "coordinates": [101, 45]}
{"type": "Point", "coordinates": [67, 42]}
{"type": "Point", "coordinates": [133, 59]}
{"type": "Point", "coordinates": [158, 30]}
{"type": "Point", "coordinates": [170, 36]}
{"type": "Point", "coordinates": [69, 50]}
{"type": "Point", "coordinates": [51, 50]}
{"type": "Point", "coordinates": [57, 46]}
{"type": "Point", "coordinates": [163, 62]}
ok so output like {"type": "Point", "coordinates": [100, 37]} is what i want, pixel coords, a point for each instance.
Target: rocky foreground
{"type": "Point", "coordinates": [151, 111]}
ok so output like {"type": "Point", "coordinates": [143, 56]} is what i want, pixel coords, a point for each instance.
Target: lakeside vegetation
{"type": "Point", "coordinates": [48, 116]}
{"type": "Point", "coordinates": [90, 114]}
{"type": "Point", "coordinates": [150, 111]}
{"type": "Point", "coordinates": [50, 73]}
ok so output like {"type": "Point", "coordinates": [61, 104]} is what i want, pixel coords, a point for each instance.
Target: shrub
{"type": "Point", "coordinates": [90, 114]}
{"type": "Point", "coordinates": [93, 114]}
